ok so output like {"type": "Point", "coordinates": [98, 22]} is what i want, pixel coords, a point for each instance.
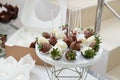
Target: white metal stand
{"type": "Point", "coordinates": [54, 72]}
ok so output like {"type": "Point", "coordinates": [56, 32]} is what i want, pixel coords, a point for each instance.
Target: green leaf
{"type": "Point", "coordinates": [97, 44]}
{"type": "Point", "coordinates": [39, 47]}
{"type": "Point", "coordinates": [55, 54]}
{"type": "Point", "coordinates": [90, 53]}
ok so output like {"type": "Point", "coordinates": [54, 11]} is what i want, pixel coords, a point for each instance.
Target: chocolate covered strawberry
{"type": "Point", "coordinates": [75, 45]}
{"type": "Point", "coordinates": [68, 40]}
{"type": "Point", "coordinates": [53, 40]}
{"type": "Point", "coordinates": [32, 45]}
{"type": "Point", "coordinates": [89, 32]}
{"type": "Point", "coordinates": [73, 35]}
{"type": "Point", "coordinates": [44, 47]}
{"type": "Point", "coordinates": [46, 35]}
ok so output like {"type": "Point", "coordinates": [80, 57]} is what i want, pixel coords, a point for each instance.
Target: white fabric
{"type": "Point", "coordinates": [10, 69]}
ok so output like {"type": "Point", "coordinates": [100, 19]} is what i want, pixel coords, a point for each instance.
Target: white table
{"type": "Point", "coordinates": [80, 66]}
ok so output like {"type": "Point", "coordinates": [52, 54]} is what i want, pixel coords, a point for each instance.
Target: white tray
{"type": "Point", "coordinates": [79, 62]}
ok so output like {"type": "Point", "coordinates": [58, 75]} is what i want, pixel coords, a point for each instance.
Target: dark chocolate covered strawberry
{"type": "Point", "coordinates": [68, 40]}
{"type": "Point", "coordinates": [46, 35]}
{"type": "Point", "coordinates": [73, 35]}
{"type": "Point", "coordinates": [5, 17]}
{"type": "Point", "coordinates": [32, 45]}
{"type": "Point", "coordinates": [44, 47]}
{"type": "Point", "coordinates": [53, 40]}
{"type": "Point", "coordinates": [89, 32]}
{"type": "Point", "coordinates": [75, 45]}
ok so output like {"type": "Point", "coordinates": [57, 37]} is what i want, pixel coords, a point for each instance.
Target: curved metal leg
{"type": "Point", "coordinates": [56, 73]}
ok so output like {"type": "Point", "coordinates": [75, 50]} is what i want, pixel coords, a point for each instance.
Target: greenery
{"type": "Point", "coordinates": [97, 44]}
{"type": "Point", "coordinates": [55, 54]}
{"type": "Point", "coordinates": [90, 53]}
{"type": "Point", "coordinates": [39, 47]}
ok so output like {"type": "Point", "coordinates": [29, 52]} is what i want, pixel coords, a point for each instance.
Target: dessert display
{"type": "Point", "coordinates": [76, 43]}
{"type": "Point", "coordinates": [8, 12]}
